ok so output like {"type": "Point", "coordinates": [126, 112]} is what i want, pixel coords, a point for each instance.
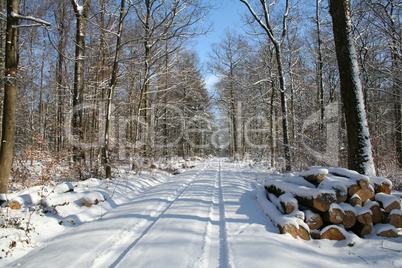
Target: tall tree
{"type": "Point", "coordinates": [164, 27]}
{"type": "Point", "coordinates": [10, 91]}
{"type": "Point", "coordinates": [110, 92]}
{"type": "Point", "coordinates": [277, 40]}
{"type": "Point", "coordinates": [359, 146]}
{"type": "Point", "coordinates": [10, 95]}
{"type": "Point", "coordinates": [320, 63]}
{"type": "Point", "coordinates": [81, 13]}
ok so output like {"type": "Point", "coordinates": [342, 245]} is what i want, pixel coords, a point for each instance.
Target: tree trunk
{"type": "Point", "coordinates": [320, 72]}
{"type": "Point", "coordinates": [2, 50]}
{"type": "Point", "coordinates": [359, 147]}
{"type": "Point", "coordinates": [112, 85]}
{"type": "Point", "coordinates": [10, 96]}
{"type": "Point", "coordinates": [265, 24]}
{"type": "Point", "coordinates": [60, 87]}
{"type": "Point", "coordinates": [81, 14]}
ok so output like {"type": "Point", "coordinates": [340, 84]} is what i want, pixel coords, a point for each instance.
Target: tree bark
{"type": "Point", "coordinates": [112, 85]}
{"type": "Point", "coordinates": [81, 13]}
{"type": "Point", "coordinates": [359, 148]}
{"type": "Point", "coordinates": [10, 96]}
{"type": "Point", "coordinates": [320, 64]}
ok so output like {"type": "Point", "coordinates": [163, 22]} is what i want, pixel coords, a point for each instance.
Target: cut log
{"type": "Point", "coordinates": [349, 220]}
{"type": "Point", "coordinates": [288, 203]}
{"type": "Point", "coordinates": [381, 185]}
{"type": "Point", "coordinates": [335, 214]}
{"type": "Point", "coordinates": [388, 202]}
{"type": "Point", "coordinates": [354, 188]}
{"type": "Point", "coordinates": [386, 230]}
{"type": "Point", "coordinates": [284, 223]}
{"type": "Point", "coordinates": [314, 175]}
{"type": "Point", "coordinates": [93, 198]}
{"type": "Point", "coordinates": [15, 204]}
{"type": "Point", "coordinates": [275, 200]}
{"type": "Point", "coordinates": [315, 234]}
{"type": "Point", "coordinates": [319, 199]}
{"type": "Point", "coordinates": [298, 214]}
{"type": "Point", "coordinates": [355, 200]}
{"type": "Point", "coordinates": [364, 183]}
{"type": "Point", "coordinates": [363, 215]}
{"type": "Point", "coordinates": [333, 232]}
{"type": "Point", "coordinates": [303, 233]}
{"type": "Point", "coordinates": [339, 187]}
{"type": "Point", "coordinates": [376, 211]}
{"type": "Point", "coordinates": [313, 220]}
{"type": "Point", "coordinates": [291, 178]}
{"type": "Point", "coordinates": [288, 229]}
{"type": "Point", "coordinates": [351, 185]}
{"type": "Point", "coordinates": [395, 218]}
{"type": "Point", "coordinates": [358, 180]}
{"type": "Point", "coordinates": [365, 193]}
{"type": "Point", "coordinates": [342, 172]}
{"type": "Point", "coordinates": [362, 230]}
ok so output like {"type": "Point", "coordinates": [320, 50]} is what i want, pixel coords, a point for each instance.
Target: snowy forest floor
{"type": "Point", "coordinates": [206, 216]}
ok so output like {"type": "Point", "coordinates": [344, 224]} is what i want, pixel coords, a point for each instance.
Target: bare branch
{"type": "Point", "coordinates": [21, 17]}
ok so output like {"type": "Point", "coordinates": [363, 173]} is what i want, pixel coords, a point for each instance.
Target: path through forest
{"type": "Point", "coordinates": [206, 217]}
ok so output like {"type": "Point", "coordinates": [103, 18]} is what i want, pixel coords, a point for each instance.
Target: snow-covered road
{"type": "Point", "coordinates": [206, 217]}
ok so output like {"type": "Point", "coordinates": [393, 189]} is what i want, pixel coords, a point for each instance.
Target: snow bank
{"type": "Point", "coordinates": [64, 188]}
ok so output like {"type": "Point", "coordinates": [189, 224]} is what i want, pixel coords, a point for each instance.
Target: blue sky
{"type": "Point", "coordinates": [226, 15]}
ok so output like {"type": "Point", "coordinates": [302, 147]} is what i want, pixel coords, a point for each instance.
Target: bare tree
{"type": "Point", "coordinates": [81, 13]}
{"type": "Point", "coordinates": [227, 60]}
{"type": "Point", "coordinates": [277, 40]}
{"type": "Point", "coordinates": [359, 146]}
{"type": "Point", "coordinates": [10, 95]}
{"type": "Point", "coordinates": [320, 61]}
{"type": "Point", "coordinates": [164, 26]}
{"type": "Point", "coordinates": [10, 91]}
{"type": "Point", "coordinates": [110, 92]}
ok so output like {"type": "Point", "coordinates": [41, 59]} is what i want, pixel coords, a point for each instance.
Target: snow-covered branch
{"type": "Point", "coordinates": [39, 21]}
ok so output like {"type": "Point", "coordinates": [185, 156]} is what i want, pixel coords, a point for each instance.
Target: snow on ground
{"type": "Point", "coordinates": [207, 216]}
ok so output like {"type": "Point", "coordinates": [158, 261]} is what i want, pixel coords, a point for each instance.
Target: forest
{"type": "Point", "coordinates": [98, 84]}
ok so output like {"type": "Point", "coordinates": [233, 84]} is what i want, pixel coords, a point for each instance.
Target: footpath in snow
{"type": "Point", "coordinates": [207, 216]}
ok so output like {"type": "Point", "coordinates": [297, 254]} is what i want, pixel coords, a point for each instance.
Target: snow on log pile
{"type": "Point", "coordinates": [327, 203]}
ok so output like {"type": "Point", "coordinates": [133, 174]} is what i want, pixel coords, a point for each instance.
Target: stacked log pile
{"type": "Point", "coordinates": [327, 203]}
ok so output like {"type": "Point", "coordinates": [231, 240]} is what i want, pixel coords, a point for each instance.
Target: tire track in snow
{"type": "Point", "coordinates": [210, 254]}
{"type": "Point", "coordinates": [216, 249]}
{"type": "Point", "coordinates": [223, 237]}
{"type": "Point", "coordinates": [160, 210]}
